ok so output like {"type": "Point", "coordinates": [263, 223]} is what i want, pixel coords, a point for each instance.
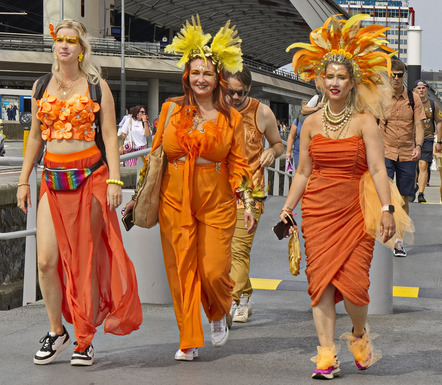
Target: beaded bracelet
{"type": "Point", "coordinates": [286, 210]}
{"type": "Point", "coordinates": [115, 181]}
{"type": "Point", "coordinates": [23, 184]}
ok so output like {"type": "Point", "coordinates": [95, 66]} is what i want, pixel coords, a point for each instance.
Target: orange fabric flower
{"type": "Point", "coordinates": [79, 118]}
{"type": "Point", "coordinates": [78, 102]}
{"type": "Point", "coordinates": [47, 102]}
{"type": "Point", "coordinates": [45, 132]}
{"type": "Point", "coordinates": [65, 112]}
{"type": "Point", "coordinates": [86, 132]}
{"type": "Point", "coordinates": [92, 108]}
{"type": "Point", "coordinates": [62, 130]}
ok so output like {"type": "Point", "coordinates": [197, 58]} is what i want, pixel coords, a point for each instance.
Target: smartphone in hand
{"type": "Point", "coordinates": [282, 229]}
{"type": "Point", "coordinates": [127, 220]}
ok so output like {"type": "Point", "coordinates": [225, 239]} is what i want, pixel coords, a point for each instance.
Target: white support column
{"type": "Point", "coordinates": [381, 282]}
{"type": "Point", "coordinates": [30, 266]}
{"type": "Point", "coordinates": [414, 52]}
{"type": "Point", "coordinates": [153, 97]}
{"type": "Point", "coordinates": [144, 249]}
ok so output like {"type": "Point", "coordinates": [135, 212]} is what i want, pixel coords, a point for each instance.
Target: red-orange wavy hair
{"type": "Point", "coordinates": [218, 97]}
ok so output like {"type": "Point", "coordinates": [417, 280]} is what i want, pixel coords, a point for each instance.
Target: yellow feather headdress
{"type": "Point", "coordinates": [345, 40]}
{"type": "Point", "coordinates": [224, 52]}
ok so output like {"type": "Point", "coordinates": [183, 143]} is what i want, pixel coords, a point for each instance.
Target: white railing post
{"type": "Point", "coordinates": [30, 267]}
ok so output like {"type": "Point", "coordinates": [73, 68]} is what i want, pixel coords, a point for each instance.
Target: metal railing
{"type": "Point", "coordinates": [30, 265]}
{"type": "Point", "coordinates": [112, 47]}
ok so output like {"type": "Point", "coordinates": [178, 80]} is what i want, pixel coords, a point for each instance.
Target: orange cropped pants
{"type": "Point", "coordinates": [198, 257]}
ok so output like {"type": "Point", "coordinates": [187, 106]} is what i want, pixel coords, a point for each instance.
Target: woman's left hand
{"type": "Point", "coordinates": [114, 195]}
{"type": "Point", "coordinates": [250, 222]}
{"type": "Point", "coordinates": [388, 226]}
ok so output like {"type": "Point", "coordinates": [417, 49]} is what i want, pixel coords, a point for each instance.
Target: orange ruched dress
{"type": "Point", "coordinates": [197, 215]}
{"type": "Point", "coordinates": [338, 249]}
{"type": "Point", "coordinates": [119, 304]}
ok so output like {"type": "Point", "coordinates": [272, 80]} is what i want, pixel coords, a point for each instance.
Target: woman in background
{"type": "Point", "coordinates": [137, 126]}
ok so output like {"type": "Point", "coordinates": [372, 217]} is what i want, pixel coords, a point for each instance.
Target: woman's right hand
{"type": "Point", "coordinates": [129, 206]}
{"type": "Point", "coordinates": [283, 218]}
{"type": "Point", "coordinates": [24, 198]}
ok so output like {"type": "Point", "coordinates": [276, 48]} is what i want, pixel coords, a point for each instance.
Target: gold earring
{"type": "Point", "coordinates": [80, 57]}
{"type": "Point", "coordinates": [55, 55]}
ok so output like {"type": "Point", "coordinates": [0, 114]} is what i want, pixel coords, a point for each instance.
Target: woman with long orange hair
{"type": "Point", "coordinates": [204, 144]}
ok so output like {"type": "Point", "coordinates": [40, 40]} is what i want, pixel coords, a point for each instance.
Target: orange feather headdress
{"type": "Point", "coordinates": [345, 40]}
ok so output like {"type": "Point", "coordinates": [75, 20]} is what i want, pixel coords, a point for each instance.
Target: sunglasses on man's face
{"type": "Point", "coordinates": [240, 93]}
{"type": "Point", "coordinates": [68, 39]}
{"type": "Point", "coordinates": [398, 75]}
{"type": "Point", "coordinates": [142, 112]}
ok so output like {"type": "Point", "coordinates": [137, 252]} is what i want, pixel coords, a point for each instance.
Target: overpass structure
{"type": "Point", "coordinates": [266, 27]}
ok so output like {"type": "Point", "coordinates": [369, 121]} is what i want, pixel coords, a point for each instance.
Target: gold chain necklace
{"type": "Point", "coordinates": [65, 87]}
{"type": "Point", "coordinates": [337, 120]}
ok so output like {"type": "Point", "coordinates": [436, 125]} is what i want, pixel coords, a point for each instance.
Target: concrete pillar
{"type": "Point", "coordinates": [414, 54]}
{"type": "Point", "coordinates": [381, 282]}
{"type": "Point", "coordinates": [144, 249]}
{"type": "Point", "coordinates": [153, 98]}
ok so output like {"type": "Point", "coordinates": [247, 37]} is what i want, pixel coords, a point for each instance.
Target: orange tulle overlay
{"type": "Point", "coordinates": [371, 209]}
{"type": "Point", "coordinates": [362, 349]}
{"type": "Point", "coordinates": [326, 356]}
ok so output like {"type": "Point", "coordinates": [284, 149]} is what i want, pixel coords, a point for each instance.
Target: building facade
{"type": "Point", "coordinates": [394, 14]}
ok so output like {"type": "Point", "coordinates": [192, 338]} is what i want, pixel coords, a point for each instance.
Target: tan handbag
{"type": "Point", "coordinates": [147, 194]}
{"type": "Point", "coordinates": [294, 251]}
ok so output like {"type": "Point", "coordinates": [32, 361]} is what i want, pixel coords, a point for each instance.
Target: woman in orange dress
{"type": "Point", "coordinates": [204, 144]}
{"type": "Point", "coordinates": [84, 272]}
{"type": "Point", "coordinates": [341, 154]}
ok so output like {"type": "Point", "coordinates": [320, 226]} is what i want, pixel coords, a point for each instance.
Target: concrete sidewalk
{"type": "Point", "coordinates": [275, 346]}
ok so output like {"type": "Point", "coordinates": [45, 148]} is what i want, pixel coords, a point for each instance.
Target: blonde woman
{"type": "Point", "coordinates": [85, 274]}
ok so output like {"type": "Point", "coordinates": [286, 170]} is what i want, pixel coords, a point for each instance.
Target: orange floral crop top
{"type": "Point", "coordinates": [67, 119]}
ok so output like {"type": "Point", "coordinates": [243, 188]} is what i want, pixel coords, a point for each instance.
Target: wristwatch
{"type": "Point", "coordinates": [389, 208]}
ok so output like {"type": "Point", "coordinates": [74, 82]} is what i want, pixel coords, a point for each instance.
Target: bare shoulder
{"type": "Point", "coordinates": [266, 118]}
{"type": "Point", "coordinates": [365, 120]}
{"type": "Point", "coordinates": [365, 124]}
{"type": "Point", "coordinates": [265, 112]}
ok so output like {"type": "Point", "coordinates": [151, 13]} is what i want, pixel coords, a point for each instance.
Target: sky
{"type": "Point", "coordinates": [428, 17]}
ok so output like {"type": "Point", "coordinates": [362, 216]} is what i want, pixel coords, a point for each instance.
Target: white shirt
{"type": "Point", "coordinates": [137, 131]}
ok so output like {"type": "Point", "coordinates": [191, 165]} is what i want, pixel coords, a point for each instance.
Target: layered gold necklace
{"type": "Point", "coordinates": [335, 122]}
{"type": "Point", "coordinates": [67, 88]}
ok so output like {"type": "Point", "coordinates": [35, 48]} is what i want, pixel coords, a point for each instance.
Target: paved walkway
{"type": "Point", "coordinates": [275, 346]}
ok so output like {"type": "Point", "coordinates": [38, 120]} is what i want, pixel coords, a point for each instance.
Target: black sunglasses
{"type": "Point", "coordinates": [240, 93]}
{"type": "Point", "coordinates": [397, 75]}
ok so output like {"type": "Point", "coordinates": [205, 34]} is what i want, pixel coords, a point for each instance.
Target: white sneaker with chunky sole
{"type": "Point", "coordinates": [53, 345]}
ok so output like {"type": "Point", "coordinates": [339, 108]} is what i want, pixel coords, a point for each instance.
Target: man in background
{"type": "Point", "coordinates": [403, 135]}
{"type": "Point", "coordinates": [433, 118]}
{"type": "Point", "coordinates": [259, 123]}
